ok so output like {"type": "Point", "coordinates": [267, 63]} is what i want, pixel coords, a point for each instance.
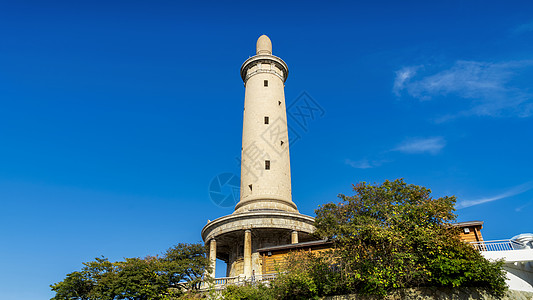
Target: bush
{"type": "Point", "coordinates": [309, 276]}
{"type": "Point", "coordinates": [248, 292]}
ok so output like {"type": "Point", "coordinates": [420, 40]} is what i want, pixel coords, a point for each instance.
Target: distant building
{"type": "Point", "coordinates": [470, 231]}
{"type": "Point", "coordinates": [517, 255]}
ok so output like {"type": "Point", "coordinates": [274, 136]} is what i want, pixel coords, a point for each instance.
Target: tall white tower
{"type": "Point", "coordinates": [265, 163]}
{"type": "Point", "coordinates": [265, 215]}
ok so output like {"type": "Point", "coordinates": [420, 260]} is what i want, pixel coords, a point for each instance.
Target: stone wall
{"type": "Point", "coordinates": [439, 294]}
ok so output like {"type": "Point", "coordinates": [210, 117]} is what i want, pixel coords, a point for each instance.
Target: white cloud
{"type": "Point", "coordinates": [365, 163]}
{"type": "Point", "coordinates": [509, 193]}
{"type": "Point", "coordinates": [527, 27]}
{"type": "Point", "coordinates": [360, 164]}
{"type": "Point", "coordinates": [402, 76]}
{"type": "Point", "coordinates": [431, 145]}
{"type": "Point", "coordinates": [520, 208]}
{"type": "Point", "coordinates": [489, 89]}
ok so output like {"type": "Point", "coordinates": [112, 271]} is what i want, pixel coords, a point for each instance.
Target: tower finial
{"type": "Point", "coordinates": [264, 45]}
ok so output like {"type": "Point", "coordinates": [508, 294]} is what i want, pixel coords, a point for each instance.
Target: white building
{"type": "Point", "coordinates": [517, 254]}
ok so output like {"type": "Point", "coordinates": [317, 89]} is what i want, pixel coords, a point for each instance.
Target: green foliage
{"type": "Point", "coordinates": [248, 292]}
{"type": "Point", "coordinates": [295, 285]}
{"type": "Point", "coordinates": [185, 265]}
{"type": "Point", "coordinates": [180, 268]}
{"type": "Point", "coordinates": [396, 235]}
{"type": "Point", "coordinates": [77, 285]}
{"type": "Point", "coordinates": [309, 276]}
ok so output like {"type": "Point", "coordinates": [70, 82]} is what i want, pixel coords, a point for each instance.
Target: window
{"type": "Point", "coordinates": [265, 82]}
{"type": "Point", "coordinates": [281, 143]}
{"type": "Point", "coordinates": [267, 164]}
{"type": "Point", "coordinates": [250, 186]}
{"type": "Point", "coordinates": [279, 102]}
{"type": "Point", "coordinates": [266, 120]}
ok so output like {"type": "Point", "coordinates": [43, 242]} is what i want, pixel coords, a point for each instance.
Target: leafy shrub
{"type": "Point", "coordinates": [248, 292]}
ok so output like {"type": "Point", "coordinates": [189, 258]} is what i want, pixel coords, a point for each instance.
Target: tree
{"type": "Point", "coordinates": [179, 269]}
{"type": "Point", "coordinates": [76, 286]}
{"type": "Point", "coordinates": [185, 265]}
{"type": "Point", "coordinates": [395, 235]}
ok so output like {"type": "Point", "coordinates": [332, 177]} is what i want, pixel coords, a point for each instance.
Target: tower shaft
{"type": "Point", "coordinates": [265, 162]}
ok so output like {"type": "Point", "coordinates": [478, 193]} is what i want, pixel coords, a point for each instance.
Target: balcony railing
{"type": "Point", "coordinates": [228, 280]}
{"type": "Point", "coordinates": [263, 278]}
{"type": "Point", "coordinates": [222, 282]}
{"type": "Point", "coordinates": [497, 245]}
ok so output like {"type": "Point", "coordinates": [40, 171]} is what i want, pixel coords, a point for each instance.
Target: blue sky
{"type": "Point", "coordinates": [115, 116]}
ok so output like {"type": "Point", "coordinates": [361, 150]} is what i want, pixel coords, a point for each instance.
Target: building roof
{"type": "Point", "coordinates": [297, 245]}
{"type": "Point", "coordinates": [469, 223]}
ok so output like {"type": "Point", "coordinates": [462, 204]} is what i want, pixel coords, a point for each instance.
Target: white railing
{"type": "Point", "coordinates": [263, 278]}
{"type": "Point", "coordinates": [222, 282]}
{"type": "Point", "coordinates": [497, 245]}
{"type": "Point", "coordinates": [228, 280]}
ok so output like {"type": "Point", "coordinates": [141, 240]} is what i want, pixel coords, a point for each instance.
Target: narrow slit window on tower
{"type": "Point", "coordinates": [279, 102]}
{"type": "Point", "coordinates": [266, 120]}
{"type": "Point", "coordinates": [265, 82]}
{"type": "Point", "coordinates": [250, 186]}
{"type": "Point", "coordinates": [281, 143]}
{"type": "Point", "coordinates": [267, 164]}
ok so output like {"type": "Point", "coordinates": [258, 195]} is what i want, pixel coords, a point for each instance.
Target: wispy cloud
{"type": "Point", "coordinates": [403, 76]}
{"type": "Point", "coordinates": [527, 27]}
{"type": "Point", "coordinates": [365, 163]}
{"type": "Point", "coordinates": [520, 208]}
{"type": "Point", "coordinates": [489, 89]}
{"type": "Point", "coordinates": [432, 145]}
{"type": "Point", "coordinates": [509, 193]}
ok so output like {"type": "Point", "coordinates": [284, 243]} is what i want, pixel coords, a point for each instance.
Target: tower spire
{"type": "Point", "coordinates": [264, 45]}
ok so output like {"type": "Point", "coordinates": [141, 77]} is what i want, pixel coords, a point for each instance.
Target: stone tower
{"type": "Point", "coordinates": [265, 215]}
{"type": "Point", "coordinates": [265, 166]}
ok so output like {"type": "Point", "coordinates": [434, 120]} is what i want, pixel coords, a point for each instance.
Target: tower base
{"type": "Point", "coordinates": [239, 236]}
